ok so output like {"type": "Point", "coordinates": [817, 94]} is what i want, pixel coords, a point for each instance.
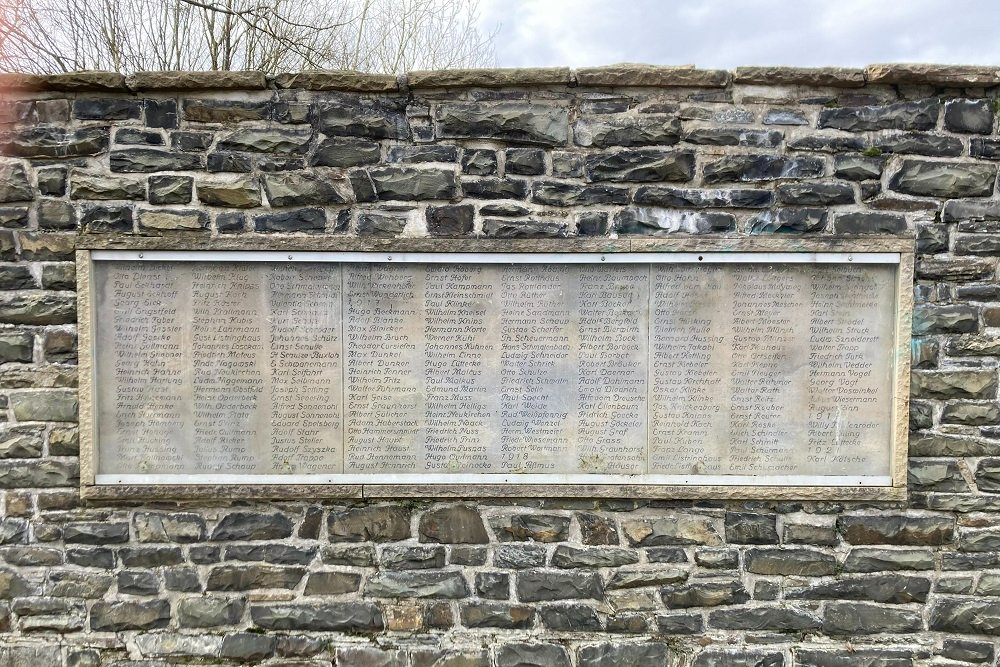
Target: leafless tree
{"type": "Point", "coordinates": [389, 36]}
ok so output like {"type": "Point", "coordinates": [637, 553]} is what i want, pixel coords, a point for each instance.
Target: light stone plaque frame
{"type": "Point", "coordinates": [894, 251]}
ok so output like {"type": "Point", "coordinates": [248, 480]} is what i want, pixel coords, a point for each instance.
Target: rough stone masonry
{"type": "Point", "coordinates": [627, 151]}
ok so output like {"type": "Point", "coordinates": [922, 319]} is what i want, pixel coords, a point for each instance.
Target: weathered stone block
{"type": "Point", "coordinates": [789, 221]}
{"type": "Point", "coordinates": [944, 179]}
{"type": "Point", "coordinates": [448, 585]}
{"type": "Point", "coordinates": [649, 220]}
{"type": "Point", "coordinates": [307, 220]}
{"type": "Point", "coordinates": [497, 615]}
{"type": "Point", "coordinates": [519, 556]}
{"type": "Point", "coordinates": [386, 523]}
{"type": "Point", "coordinates": [450, 220]}
{"type": "Point", "coordinates": [897, 529]}
{"type": "Point", "coordinates": [918, 115]}
{"type": "Point", "coordinates": [273, 140]}
{"type": "Point", "coordinates": [253, 526]}
{"type": "Point", "coordinates": [250, 577]}
{"type": "Point", "coordinates": [974, 384]}
{"type": "Point", "coordinates": [146, 160]}
{"type": "Point", "coordinates": [208, 612]}
{"type": "Point", "coordinates": [555, 193]}
{"type": "Point", "coordinates": [965, 616]}
{"type": "Point", "coordinates": [968, 116]}
{"type": "Point", "coordinates": [120, 616]}
{"type": "Point", "coordinates": [412, 183]}
{"type": "Point", "coordinates": [760, 167]}
{"type": "Point", "coordinates": [645, 130]}
{"type": "Point", "coordinates": [888, 588]}
{"type": "Point", "coordinates": [168, 527]}
{"type": "Point", "coordinates": [640, 165]}
{"type": "Point", "coordinates": [180, 220]}
{"type": "Point", "coordinates": [706, 593]}
{"type": "Point", "coordinates": [240, 193]}
{"type": "Point", "coordinates": [517, 122]}
{"type": "Point", "coordinates": [540, 585]}
{"type": "Point", "coordinates": [456, 524]}
{"type": "Point", "coordinates": [764, 618]}
{"type": "Point", "coordinates": [748, 528]}
{"type": "Point", "coordinates": [678, 529]}
{"type": "Point", "coordinates": [671, 197]}
{"type": "Point", "coordinates": [870, 223]}
{"type": "Point", "coordinates": [534, 527]}
{"type": "Point", "coordinates": [532, 655]}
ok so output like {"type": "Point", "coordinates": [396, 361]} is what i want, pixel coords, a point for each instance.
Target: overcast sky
{"type": "Point", "coordinates": [729, 33]}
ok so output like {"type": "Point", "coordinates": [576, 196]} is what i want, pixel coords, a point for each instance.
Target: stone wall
{"type": "Point", "coordinates": [627, 151]}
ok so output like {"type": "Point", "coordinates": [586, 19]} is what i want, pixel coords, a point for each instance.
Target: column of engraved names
{"type": "Point", "coordinates": [228, 385]}
{"type": "Point", "coordinates": [613, 329]}
{"type": "Point", "coordinates": [383, 368]}
{"type": "Point", "coordinates": [146, 406]}
{"type": "Point", "coordinates": [460, 367]}
{"type": "Point", "coordinates": [537, 369]}
{"type": "Point", "coordinates": [687, 369]}
{"type": "Point", "coordinates": [304, 349]}
{"type": "Point", "coordinates": [764, 306]}
{"type": "Point", "coordinates": [846, 369]}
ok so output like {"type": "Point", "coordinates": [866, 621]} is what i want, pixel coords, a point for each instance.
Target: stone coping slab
{"type": "Point", "coordinates": [625, 75]}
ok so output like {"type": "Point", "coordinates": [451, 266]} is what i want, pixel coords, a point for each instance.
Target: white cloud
{"type": "Point", "coordinates": [728, 33]}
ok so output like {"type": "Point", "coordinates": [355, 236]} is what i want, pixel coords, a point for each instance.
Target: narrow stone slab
{"type": "Point", "coordinates": [840, 77]}
{"type": "Point", "coordinates": [330, 79]}
{"type": "Point", "coordinates": [631, 74]}
{"type": "Point", "coordinates": [177, 80]}
{"type": "Point", "coordinates": [489, 78]}
{"type": "Point", "coordinates": [930, 75]}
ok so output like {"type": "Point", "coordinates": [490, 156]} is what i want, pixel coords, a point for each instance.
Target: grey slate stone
{"type": "Point", "coordinates": [671, 197]}
{"type": "Point", "coordinates": [412, 183]}
{"type": "Point", "coordinates": [119, 616]}
{"type": "Point", "coordinates": [455, 524]}
{"type": "Point", "coordinates": [640, 165]}
{"type": "Point", "coordinates": [738, 658]}
{"type": "Point", "coordinates": [386, 523]}
{"type": "Point", "coordinates": [944, 179]}
{"type": "Point", "coordinates": [272, 140]}
{"type": "Point", "coordinates": [516, 122]}
{"type": "Point", "coordinates": [381, 119]}
{"type": "Point", "coordinates": [253, 526]}
{"type": "Point", "coordinates": [570, 618]}
{"type": "Point", "coordinates": [705, 593]}
{"type": "Point", "coordinates": [567, 557]}
{"type": "Point", "coordinates": [497, 615]}
{"type": "Point", "coordinates": [146, 160]}
{"type": "Point", "coordinates": [54, 142]}
{"type": "Point", "coordinates": [323, 617]}
{"type": "Point", "coordinates": [919, 115]}
{"type": "Point", "coordinates": [760, 167]}
{"type": "Point", "coordinates": [14, 185]}
{"type": "Point", "coordinates": [345, 152]}
{"type": "Point", "coordinates": [448, 585]}
{"type": "Point", "coordinates": [789, 221]}
{"type": "Point", "coordinates": [302, 189]}
{"type": "Point", "coordinates": [644, 130]}
{"type": "Point", "coordinates": [968, 116]}
{"type": "Point", "coordinates": [645, 220]}
{"type": "Point", "coordinates": [299, 220]}
{"type": "Point", "coordinates": [615, 654]}
{"type": "Point", "coordinates": [541, 585]}
{"type": "Point", "coordinates": [859, 618]}
{"type": "Point", "coordinates": [532, 655]}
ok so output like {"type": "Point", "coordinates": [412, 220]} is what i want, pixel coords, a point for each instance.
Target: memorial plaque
{"type": "Point", "coordinates": [710, 369]}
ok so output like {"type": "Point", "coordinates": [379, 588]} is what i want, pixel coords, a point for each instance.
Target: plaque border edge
{"type": "Point", "coordinates": [905, 246]}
